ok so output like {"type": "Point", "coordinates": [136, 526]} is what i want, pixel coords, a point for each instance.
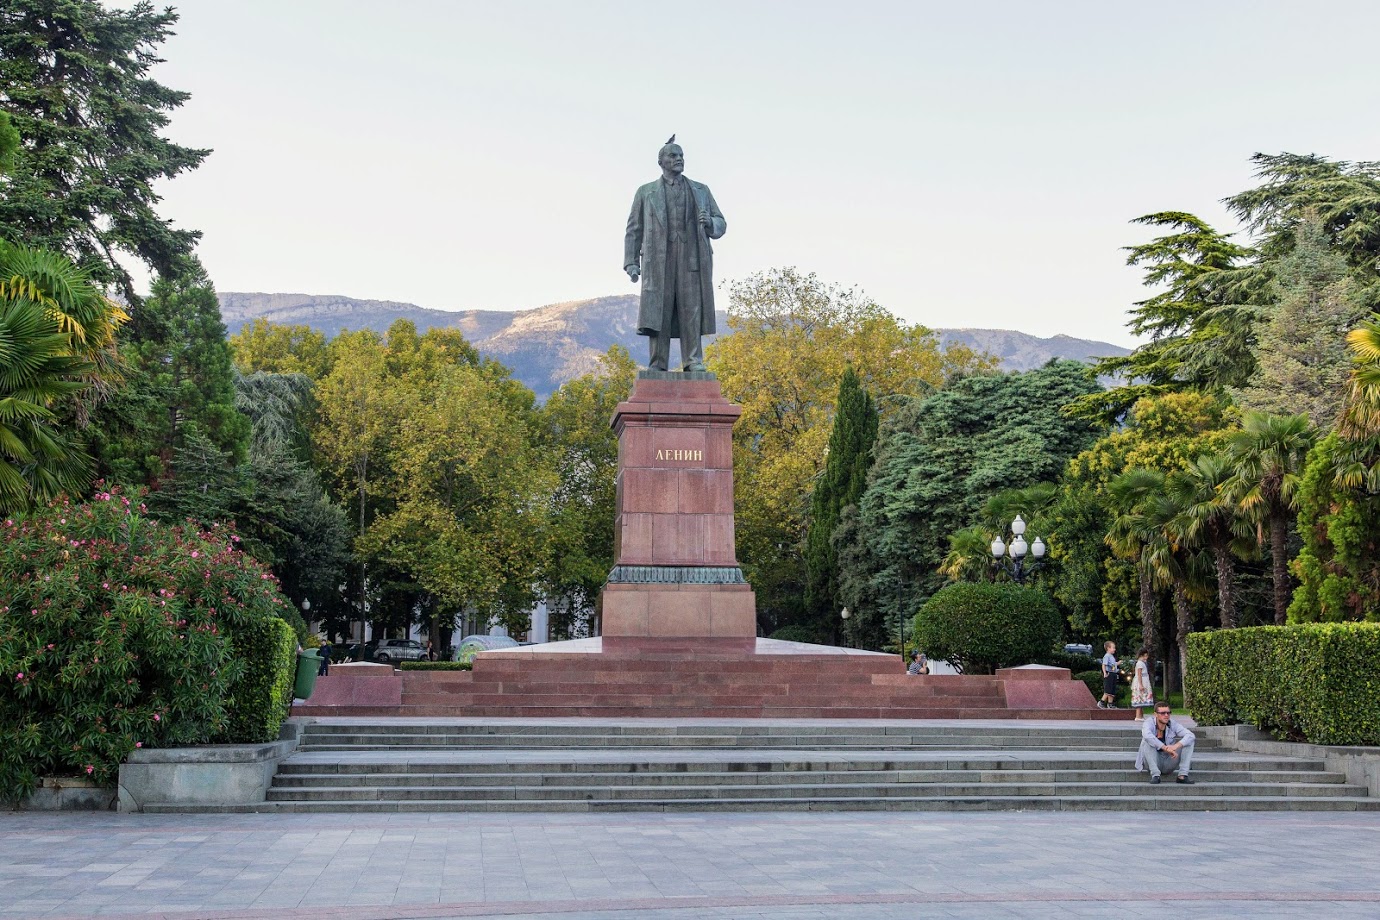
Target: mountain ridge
{"type": "Point", "coordinates": [548, 345]}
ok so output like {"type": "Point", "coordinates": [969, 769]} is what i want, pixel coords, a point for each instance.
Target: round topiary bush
{"type": "Point", "coordinates": [117, 632]}
{"type": "Point", "coordinates": [979, 627]}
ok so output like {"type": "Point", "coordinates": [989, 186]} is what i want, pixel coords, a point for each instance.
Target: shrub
{"type": "Point", "coordinates": [437, 665]}
{"type": "Point", "coordinates": [797, 632]}
{"type": "Point", "coordinates": [117, 633]}
{"type": "Point", "coordinates": [1317, 682]}
{"type": "Point", "coordinates": [981, 626]}
{"type": "Point", "coordinates": [262, 697]}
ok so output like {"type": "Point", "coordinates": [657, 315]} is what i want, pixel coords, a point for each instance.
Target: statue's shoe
{"type": "Point", "coordinates": [697, 366]}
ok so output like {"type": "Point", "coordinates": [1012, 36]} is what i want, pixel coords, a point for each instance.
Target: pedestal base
{"type": "Point", "coordinates": [679, 611]}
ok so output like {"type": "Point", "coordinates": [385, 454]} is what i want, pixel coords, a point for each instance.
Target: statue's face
{"type": "Point", "coordinates": [672, 158]}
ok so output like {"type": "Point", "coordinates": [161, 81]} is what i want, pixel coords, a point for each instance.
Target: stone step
{"type": "Point", "coordinates": [401, 741]}
{"type": "Point", "coordinates": [750, 762]}
{"type": "Point", "coordinates": [909, 803]}
{"type": "Point", "coordinates": [420, 777]}
{"type": "Point", "coordinates": [720, 792]}
{"type": "Point", "coordinates": [516, 710]}
{"type": "Point", "coordinates": [558, 728]}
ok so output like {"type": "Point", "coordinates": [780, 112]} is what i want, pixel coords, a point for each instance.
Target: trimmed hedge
{"type": "Point", "coordinates": [262, 697]}
{"type": "Point", "coordinates": [1316, 682]}
{"type": "Point", "coordinates": [437, 665]}
{"type": "Point", "coordinates": [981, 626]}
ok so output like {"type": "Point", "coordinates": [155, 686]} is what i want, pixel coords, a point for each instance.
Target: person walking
{"type": "Point", "coordinates": [1111, 673]}
{"type": "Point", "coordinates": [1142, 690]}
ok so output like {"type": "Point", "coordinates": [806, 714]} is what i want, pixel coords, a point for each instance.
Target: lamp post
{"type": "Point", "coordinates": [843, 615]}
{"type": "Point", "coordinates": [1012, 557]}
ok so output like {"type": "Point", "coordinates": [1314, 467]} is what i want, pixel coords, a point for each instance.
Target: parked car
{"type": "Point", "coordinates": [1077, 648]}
{"type": "Point", "coordinates": [391, 650]}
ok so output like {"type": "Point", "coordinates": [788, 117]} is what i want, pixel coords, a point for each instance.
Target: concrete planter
{"type": "Point", "coordinates": [68, 793]}
{"type": "Point", "coordinates": [213, 774]}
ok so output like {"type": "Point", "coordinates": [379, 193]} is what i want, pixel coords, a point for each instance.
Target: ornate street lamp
{"type": "Point", "coordinates": [1012, 557]}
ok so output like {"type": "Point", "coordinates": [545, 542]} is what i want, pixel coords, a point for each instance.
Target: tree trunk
{"type": "Point", "coordinates": [1226, 583]}
{"type": "Point", "coordinates": [1184, 626]}
{"type": "Point", "coordinates": [1149, 618]}
{"type": "Point", "coordinates": [1279, 553]}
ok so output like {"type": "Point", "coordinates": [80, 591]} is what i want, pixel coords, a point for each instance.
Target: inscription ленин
{"type": "Point", "coordinates": [691, 455]}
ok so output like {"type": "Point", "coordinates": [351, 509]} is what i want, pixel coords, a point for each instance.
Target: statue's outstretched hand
{"type": "Point", "coordinates": [633, 273]}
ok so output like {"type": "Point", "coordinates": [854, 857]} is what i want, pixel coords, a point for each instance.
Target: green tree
{"type": "Point", "coordinates": [577, 434]}
{"type": "Point", "coordinates": [56, 346]}
{"type": "Point", "coordinates": [1209, 517]}
{"type": "Point", "coordinates": [1339, 512]}
{"type": "Point", "coordinates": [74, 77]}
{"type": "Point", "coordinates": [939, 459]}
{"type": "Point", "coordinates": [1134, 533]}
{"type": "Point", "coordinates": [1267, 458]}
{"type": "Point", "coordinates": [1199, 338]}
{"type": "Point", "coordinates": [180, 385]}
{"type": "Point", "coordinates": [1302, 355]}
{"type": "Point", "coordinates": [261, 345]}
{"type": "Point", "coordinates": [793, 336]}
{"type": "Point", "coordinates": [1338, 568]}
{"type": "Point", "coordinates": [1098, 589]}
{"type": "Point", "coordinates": [840, 484]}
{"type": "Point", "coordinates": [1344, 197]}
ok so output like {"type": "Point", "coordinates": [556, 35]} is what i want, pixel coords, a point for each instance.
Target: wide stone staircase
{"type": "Point", "coordinates": [602, 765]}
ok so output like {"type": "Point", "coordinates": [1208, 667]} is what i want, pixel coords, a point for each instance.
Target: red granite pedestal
{"type": "Point", "coordinates": [679, 621]}
{"type": "Point", "coordinates": [675, 573]}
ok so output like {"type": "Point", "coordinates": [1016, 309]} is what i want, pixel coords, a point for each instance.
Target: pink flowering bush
{"type": "Point", "coordinates": [117, 632]}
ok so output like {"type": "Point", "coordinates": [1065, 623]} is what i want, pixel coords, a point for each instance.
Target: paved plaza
{"type": "Point", "coordinates": [675, 867]}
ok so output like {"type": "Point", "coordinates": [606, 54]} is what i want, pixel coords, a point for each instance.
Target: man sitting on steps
{"type": "Point", "coordinates": [1165, 745]}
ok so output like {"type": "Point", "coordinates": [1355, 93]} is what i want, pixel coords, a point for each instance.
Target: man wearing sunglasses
{"type": "Point", "coordinates": [1166, 746]}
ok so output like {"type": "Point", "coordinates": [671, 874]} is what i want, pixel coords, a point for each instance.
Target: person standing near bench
{"type": "Point", "coordinates": [1165, 746]}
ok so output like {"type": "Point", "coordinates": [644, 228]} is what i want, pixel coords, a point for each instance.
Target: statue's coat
{"type": "Point", "coordinates": [645, 245]}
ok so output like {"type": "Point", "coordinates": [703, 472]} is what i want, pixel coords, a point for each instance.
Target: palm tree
{"type": "Point", "coordinates": [1267, 458]}
{"type": "Point", "coordinates": [1133, 530]}
{"type": "Point", "coordinates": [1208, 517]}
{"type": "Point", "coordinates": [1360, 420]}
{"type": "Point", "coordinates": [969, 557]}
{"type": "Point", "coordinates": [57, 340]}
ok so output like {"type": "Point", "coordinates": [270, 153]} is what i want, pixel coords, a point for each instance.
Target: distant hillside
{"type": "Point", "coordinates": [1021, 352]}
{"type": "Point", "coordinates": [549, 345]}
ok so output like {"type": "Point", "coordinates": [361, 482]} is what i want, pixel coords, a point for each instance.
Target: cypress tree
{"type": "Point", "coordinates": [840, 485]}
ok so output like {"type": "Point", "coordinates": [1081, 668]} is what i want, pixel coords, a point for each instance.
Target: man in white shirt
{"type": "Point", "coordinates": [1165, 746]}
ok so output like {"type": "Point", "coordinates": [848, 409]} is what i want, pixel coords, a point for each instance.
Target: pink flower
{"type": "Point", "coordinates": [195, 554]}
{"type": "Point", "coordinates": [156, 716]}
{"type": "Point", "coordinates": [138, 744]}
{"type": "Point", "coordinates": [90, 769]}
{"type": "Point", "coordinates": [19, 676]}
{"type": "Point", "coordinates": [106, 585]}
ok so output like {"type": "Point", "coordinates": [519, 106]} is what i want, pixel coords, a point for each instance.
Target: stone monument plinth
{"type": "Point", "coordinates": [675, 573]}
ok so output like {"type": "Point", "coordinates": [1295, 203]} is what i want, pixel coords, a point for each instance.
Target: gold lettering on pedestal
{"type": "Point", "coordinates": [692, 456]}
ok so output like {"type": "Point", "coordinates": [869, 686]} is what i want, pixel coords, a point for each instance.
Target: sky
{"type": "Point", "coordinates": [970, 164]}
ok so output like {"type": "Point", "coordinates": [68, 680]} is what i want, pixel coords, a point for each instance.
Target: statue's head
{"type": "Point", "coordinates": [671, 158]}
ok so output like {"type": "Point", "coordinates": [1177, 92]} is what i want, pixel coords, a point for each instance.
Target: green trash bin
{"type": "Point", "coordinates": [308, 664]}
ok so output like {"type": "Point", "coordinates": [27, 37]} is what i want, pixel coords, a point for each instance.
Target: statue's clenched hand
{"type": "Point", "coordinates": [633, 273]}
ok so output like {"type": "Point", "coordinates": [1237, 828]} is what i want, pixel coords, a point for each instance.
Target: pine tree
{"type": "Point", "coordinates": [840, 485]}
{"type": "Point", "coordinates": [1302, 358]}
{"type": "Point", "coordinates": [180, 385]}
{"type": "Point", "coordinates": [74, 76]}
